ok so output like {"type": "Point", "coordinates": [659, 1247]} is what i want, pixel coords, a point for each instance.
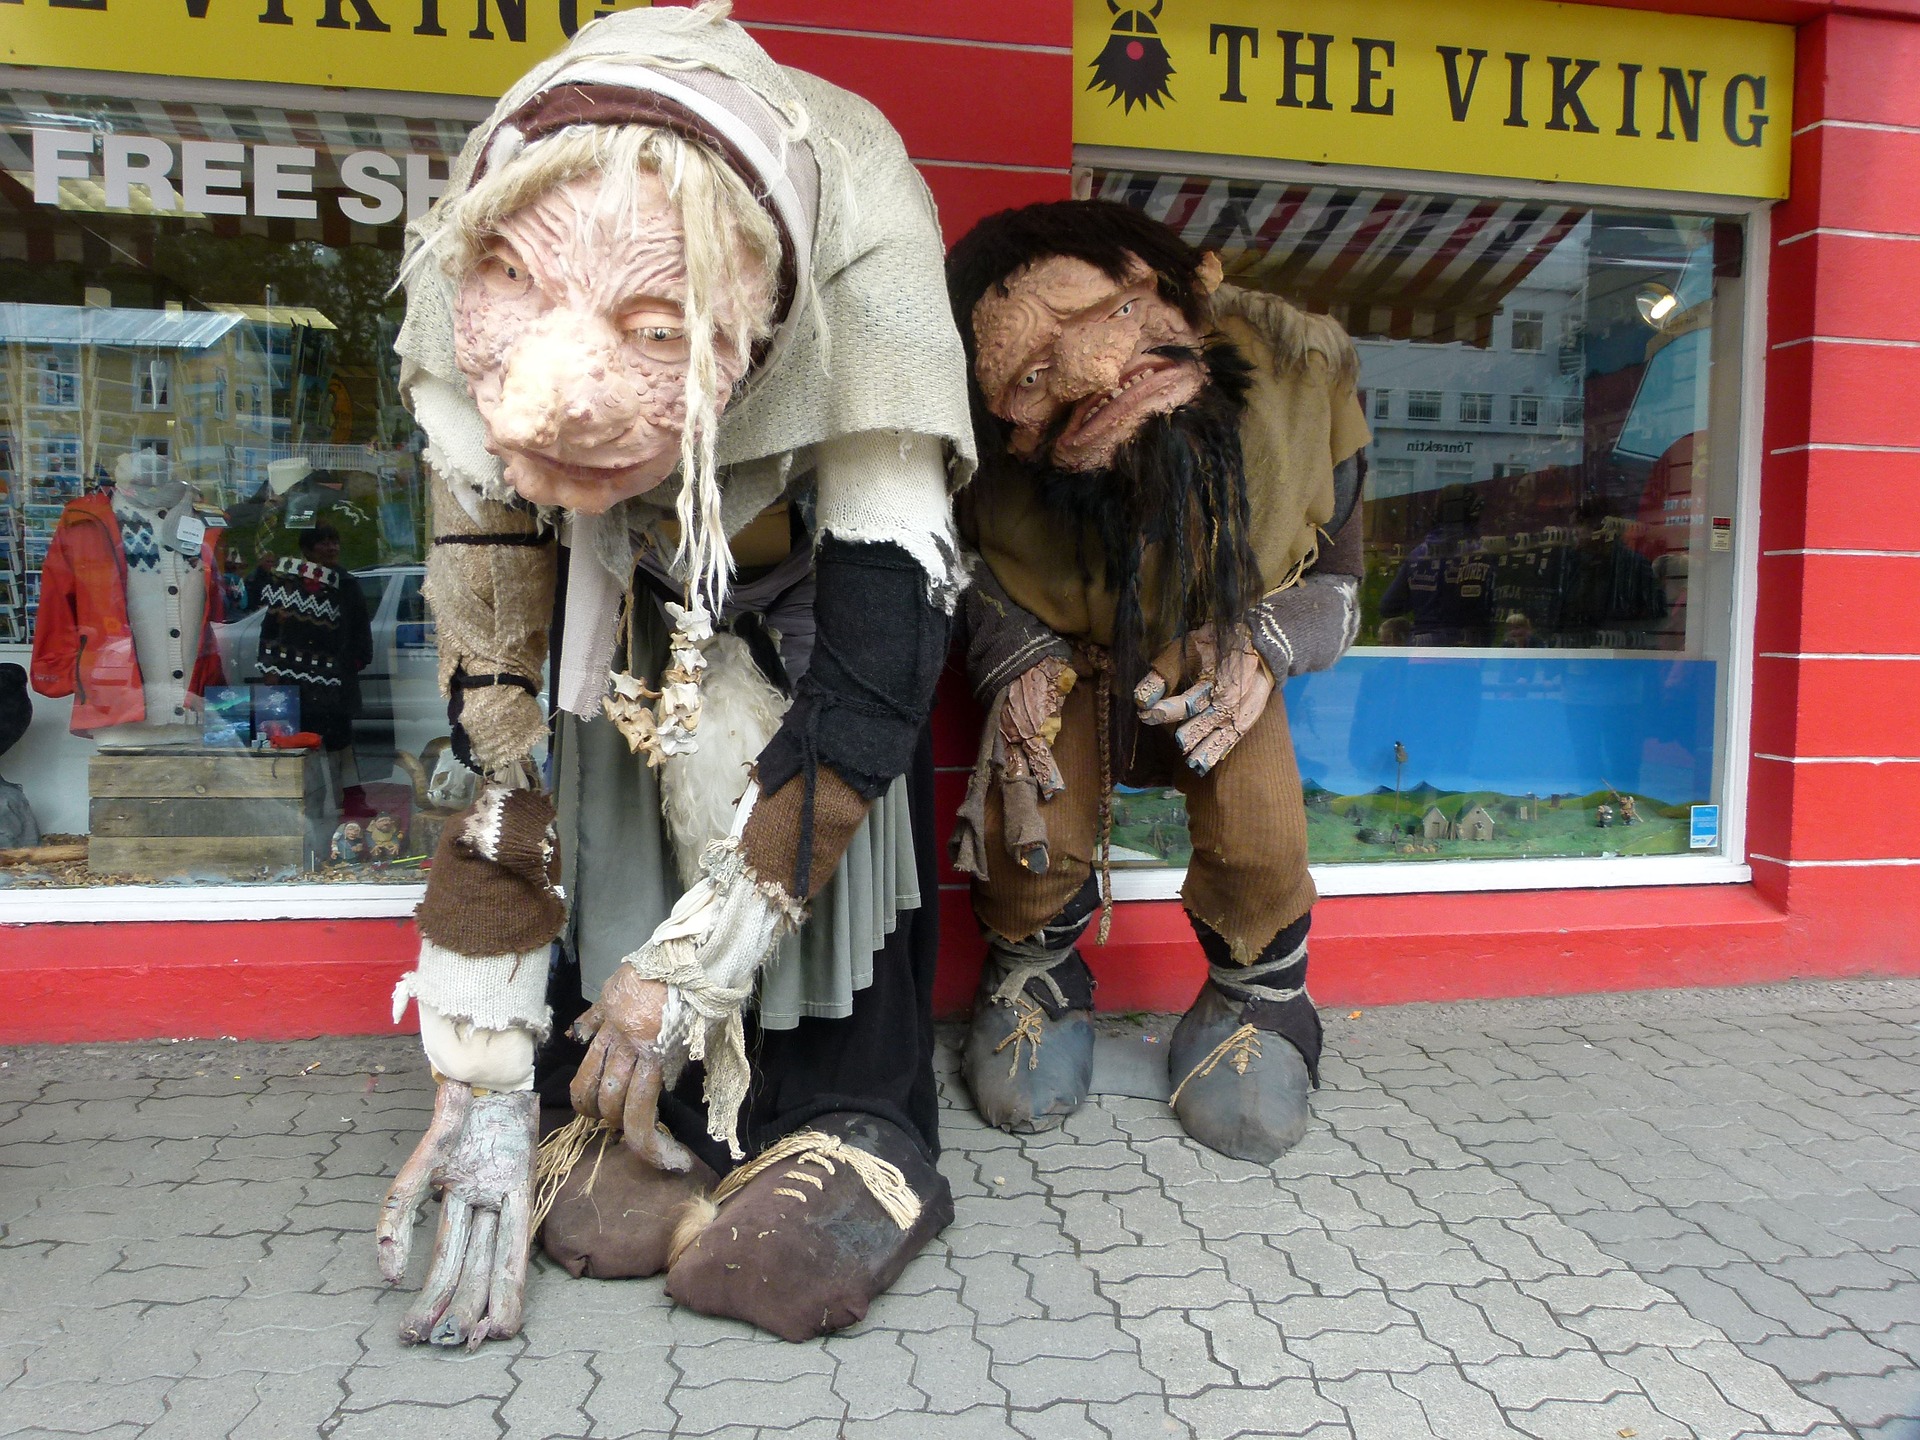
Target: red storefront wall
{"type": "Point", "coordinates": [982, 93]}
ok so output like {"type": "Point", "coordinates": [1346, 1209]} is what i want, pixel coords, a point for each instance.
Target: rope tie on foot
{"type": "Point", "coordinates": [1240, 1050]}
{"type": "Point", "coordinates": [882, 1178]}
{"type": "Point", "coordinates": [1030, 1027]}
{"type": "Point", "coordinates": [557, 1158]}
{"type": "Point", "coordinates": [1242, 982]}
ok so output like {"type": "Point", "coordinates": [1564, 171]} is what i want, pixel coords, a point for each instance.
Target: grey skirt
{"type": "Point", "coordinates": [618, 870]}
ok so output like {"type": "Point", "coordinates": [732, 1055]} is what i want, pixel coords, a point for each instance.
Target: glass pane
{"type": "Point", "coordinates": [212, 506]}
{"type": "Point", "coordinates": [1545, 622]}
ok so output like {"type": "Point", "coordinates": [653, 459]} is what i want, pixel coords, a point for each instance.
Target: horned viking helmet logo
{"type": "Point", "coordinates": [1133, 64]}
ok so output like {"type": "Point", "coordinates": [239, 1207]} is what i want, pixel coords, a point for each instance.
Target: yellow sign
{"type": "Point", "coordinates": [1482, 87]}
{"type": "Point", "coordinates": [442, 47]}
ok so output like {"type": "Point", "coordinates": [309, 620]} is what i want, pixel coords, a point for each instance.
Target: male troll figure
{"type": "Point", "coordinates": [694, 402]}
{"type": "Point", "coordinates": [1165, 527]}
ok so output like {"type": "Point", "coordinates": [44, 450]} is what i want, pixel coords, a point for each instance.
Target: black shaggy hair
{"type": "Point", "coordinates": [1104, 233]}
{"type": "Point", "coordinates": [1178, 484]}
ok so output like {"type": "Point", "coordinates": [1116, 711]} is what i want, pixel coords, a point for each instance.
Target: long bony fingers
{"type": "Point", "coordinates": [394, 1233]}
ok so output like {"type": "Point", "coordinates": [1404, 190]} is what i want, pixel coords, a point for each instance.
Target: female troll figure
{"type": "Point", "coordinates": [695, 403]}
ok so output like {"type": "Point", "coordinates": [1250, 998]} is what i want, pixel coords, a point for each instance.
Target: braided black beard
{"type": "Point", "coordinates": [1179, 484]}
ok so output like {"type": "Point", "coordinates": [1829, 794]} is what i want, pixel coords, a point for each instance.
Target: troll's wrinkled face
{"type": "Point", "coordinates": [1076, 362]}
{"type": "Point", "coordinates": [572, 333]}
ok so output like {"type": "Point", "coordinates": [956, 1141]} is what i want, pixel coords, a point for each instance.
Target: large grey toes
{"type": "Point", "coordinates": [1027, 1070]}
{"type": "Point", "coordinates": [1237, 1089]}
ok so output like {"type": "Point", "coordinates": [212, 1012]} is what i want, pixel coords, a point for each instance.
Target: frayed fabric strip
{"type": "Point", "coordinates": [494, 992]}
{"type": "Point", "coordinates": [708, 952]}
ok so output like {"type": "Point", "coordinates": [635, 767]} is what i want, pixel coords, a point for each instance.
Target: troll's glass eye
{"type": "Point", "coordinates": [1125, 310]}
{"type": "Point", "coordinates": [1031, 378]}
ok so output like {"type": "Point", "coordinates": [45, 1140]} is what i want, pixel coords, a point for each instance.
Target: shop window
{"type": "Point", "coordinates": [213, 511]}
{"type": "Point", "coordinates": [1528, 330]}
{"type": "Point", "coordinates": [1546, 630]}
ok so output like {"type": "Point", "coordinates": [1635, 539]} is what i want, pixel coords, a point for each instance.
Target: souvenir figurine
{"type": "Point", "coordinates": [383, 839]}
{"type": "Point", "coordinates": [676, 332]}
{"type": "Point", "coordinates": [1164, 529]}
{"type": "Point", "coordinates": [350, 843]}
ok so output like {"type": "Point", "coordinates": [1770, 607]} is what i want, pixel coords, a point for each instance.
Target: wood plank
{"type": "Point", "coordinates": [234, 855]}
{"type": "Point", "coordinates": [181, 817]}
{"type": "Point", "coordinates": [239, 775]}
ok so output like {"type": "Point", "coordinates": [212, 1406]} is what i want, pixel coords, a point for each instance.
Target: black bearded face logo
{"type": "Point", "coordinates": [1133, 64]}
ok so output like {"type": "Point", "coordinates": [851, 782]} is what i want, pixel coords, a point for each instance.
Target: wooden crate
{"type": "Point", "coordinates": [228, 813]}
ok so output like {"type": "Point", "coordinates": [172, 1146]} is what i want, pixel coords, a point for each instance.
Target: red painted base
{"type": "Point", "coordinates": [278, 980]}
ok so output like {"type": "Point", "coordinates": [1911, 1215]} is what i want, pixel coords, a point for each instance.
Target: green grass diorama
{"type": "Point", "coordinates": [1424, 823]}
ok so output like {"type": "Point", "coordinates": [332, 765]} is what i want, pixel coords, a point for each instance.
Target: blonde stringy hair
{"type": "Point", "coordinates": [722, 222]}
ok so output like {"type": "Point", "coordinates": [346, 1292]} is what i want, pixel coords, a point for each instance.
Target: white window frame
{"type": "Point", "coordinates": [1382, 404]}
{"type": "Point", "coordinates": [1518, 404]}
{"type": "Point", "coordinates": [1439, 399]}
{"type": "Point", "coordinates": [1483, 402]}
{"type": "Point", "coordinates": [1532, 317]}
{"type": "Point", "coordinates": [1571, 872]}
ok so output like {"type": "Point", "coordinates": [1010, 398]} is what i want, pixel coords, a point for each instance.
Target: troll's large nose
{"type": "Point", "coordinates": [1091, 361]}
{"type": "Point", "coordinates": [563, 385]}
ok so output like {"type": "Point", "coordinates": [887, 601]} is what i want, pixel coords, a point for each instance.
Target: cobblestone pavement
{"type": "Point", "coordinates": [1659, 1215]}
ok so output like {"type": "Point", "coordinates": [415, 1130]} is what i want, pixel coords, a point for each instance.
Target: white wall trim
{"type": "Point", "coordinates": [1847, 448]}
{"type": "Point", "coordinates": [1848, 234]}
{"type": "Point", "coordinates": [122, 903]}
{"type": "Point", "coordinates": [1848, 340]}
{"type": "Point", "coordinates": [1880, 125]}
{"type": "Point", "coordinates": [1838, 759]}
{"type": "Point", "coordinates": [1836, 864]}
{"type": "Point", "coordinates": [1828, 655]}
{"type": "Point", "coordinates": [1868, 554]}
{"type": "Point", "coordinates": [1464, 876]}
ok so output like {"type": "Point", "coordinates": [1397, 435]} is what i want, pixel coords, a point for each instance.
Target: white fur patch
{"type": "Point", "coordinates": [740, 710]}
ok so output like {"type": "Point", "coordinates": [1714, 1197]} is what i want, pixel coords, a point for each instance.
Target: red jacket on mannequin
{"type": "Point", "coordinates": [82, 641]}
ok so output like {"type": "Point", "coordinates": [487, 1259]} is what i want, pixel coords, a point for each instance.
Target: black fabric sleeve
{"type": "Point", "coordinates": [880, 643]}
{"type": "Point", "coordinates": [1003, 641]}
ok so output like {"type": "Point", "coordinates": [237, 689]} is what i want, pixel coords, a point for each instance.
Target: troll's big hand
{"type": "Point", "coordinates": [478, 1155]}
{"type": "Point", "coordinates": [620, 1080]}
{"type": "Point", "coordinates": [1030, 722]}
{"type": "Point", "coordinates": [1226, 691]}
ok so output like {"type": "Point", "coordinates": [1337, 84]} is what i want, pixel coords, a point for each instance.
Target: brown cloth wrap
{"type": "Point", "coordinates": [505, 904]}
{"type": "Point", "coordinates": [771, 840]}
{"type": "Point", "coordinates": [492, 608]}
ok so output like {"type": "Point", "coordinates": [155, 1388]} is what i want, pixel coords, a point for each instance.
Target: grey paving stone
{"type": "Point", "coordinates": [1615, 1415]}
{"type": "Point", "coordinates": [1042, 1379]}
{"type": "Point", "coordinates": [1842, 1353]}
{"type": "Point", "coordinates": [1289, 1407]}
{"type": "Point", "coordinates": [752, 1401]}
{"type": "Point", "coordinates": [1454, 1407]}
{"type": "Point", "coordinates": [1176, 1352]}
{"type": "Point", "coordinates": [1375, 1410]}
{"type": "Point", "coordinates": [1663, 1201]}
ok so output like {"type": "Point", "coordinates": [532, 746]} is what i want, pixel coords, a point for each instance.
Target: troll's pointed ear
{"type": "Point", "coordinates": [1208, 273]}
